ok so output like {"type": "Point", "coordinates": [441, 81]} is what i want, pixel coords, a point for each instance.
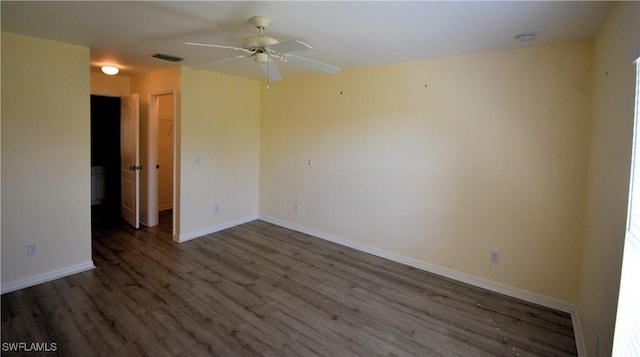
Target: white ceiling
{"type": "Point", "coordinates": [347, 34]}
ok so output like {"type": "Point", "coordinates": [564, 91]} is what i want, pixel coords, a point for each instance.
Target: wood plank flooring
{"type": "Point", "coordinates": [262, 290]}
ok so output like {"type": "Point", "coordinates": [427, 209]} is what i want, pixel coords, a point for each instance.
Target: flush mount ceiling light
{"type": "Point", "coordinates": [110, 70]}
{"type": "Point", "coordinates": [525, 37]}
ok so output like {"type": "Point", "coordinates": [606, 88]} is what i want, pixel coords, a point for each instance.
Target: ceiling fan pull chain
{"type": "Point", "coordinates": [268, 76]}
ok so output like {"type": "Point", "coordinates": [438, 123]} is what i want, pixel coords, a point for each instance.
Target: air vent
{"type": "Point", "coordinates": [167, 57]}
{"type": "Point", "coordinates": [526, 37]}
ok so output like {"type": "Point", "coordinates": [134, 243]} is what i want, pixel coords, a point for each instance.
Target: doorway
{"type": "Point", "coordinates": [161, 181]}
{"type": "Point", "coordinates": [105, 159]}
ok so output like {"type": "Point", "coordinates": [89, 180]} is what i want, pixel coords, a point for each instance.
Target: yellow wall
{"type": "Point", "coordinates": [145, 85]}
{"type": "Point", "coordinates": [609, 168]}
{"type": "Point", "coordinates": [45, 158]}
{"type": "Point", "coordinates": [220, 127]}
{"type": "Point", "coordinates": [111, 86]}
{"type": "Point", "coordinates": [441, 161]}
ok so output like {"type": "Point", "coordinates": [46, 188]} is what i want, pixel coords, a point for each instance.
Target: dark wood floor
{"type": "Point", "coordinates": [259, 289]}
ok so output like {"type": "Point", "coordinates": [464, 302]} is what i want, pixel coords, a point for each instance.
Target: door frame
{"type": "Point", "coordinates": [152, 158]}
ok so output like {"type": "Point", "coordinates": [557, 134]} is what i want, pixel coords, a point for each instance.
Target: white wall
{"type": "Point", "coordinates": [609, 169]}
{"type": "Point", "coordinates": [441, 161]}
{"type": "Point", "coordinates": [219, 135]}
{"type": "Point", "coordinates": [45, 160]}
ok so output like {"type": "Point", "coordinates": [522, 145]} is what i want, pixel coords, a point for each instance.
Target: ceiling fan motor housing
{"type": "Point", "coordinates": [257, 42]}
{"type": "Point", "coordinates": [261, 42]}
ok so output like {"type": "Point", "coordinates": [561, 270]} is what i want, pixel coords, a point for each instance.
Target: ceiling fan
{"type": "Point", "coordinates": [264, 49]}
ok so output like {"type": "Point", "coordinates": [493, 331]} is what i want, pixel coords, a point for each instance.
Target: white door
{"type": "Point", "coordinates": [130, 160]}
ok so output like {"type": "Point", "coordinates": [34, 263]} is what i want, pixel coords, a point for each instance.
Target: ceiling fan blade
{"type": "Point", "coordinates": [289, 46]}
{"type": "Point", "coordinates": [313, 64]}
{"type": "Point", "coordinates": [271, 71]}
{"type": "Point", "coordinates": [218, 46]}
{"type": "Point", "coordinates": [217, 62]}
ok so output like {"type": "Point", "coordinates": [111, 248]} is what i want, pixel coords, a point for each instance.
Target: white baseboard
{"type": "Point", "coordinates": [455, 275]}
{"type": "Point", "coordinates": [219, 227]}
{"type": "Point", "coordinates": [577, 330]}
{"type": "Point", "coordinates": [43, 278]}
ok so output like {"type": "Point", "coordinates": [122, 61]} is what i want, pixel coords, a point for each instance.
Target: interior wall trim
{"type": "Point", "coordinates": [45, 277]}
{"type": "Point", "coordinates": [577, 330]}
{"type": "Point", "coordinates": [219, 227]}
{"type": "Point", "coordinates": [448, 273]}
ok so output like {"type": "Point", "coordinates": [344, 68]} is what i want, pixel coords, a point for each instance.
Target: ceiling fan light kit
{"type": "Point", "coordinates": [265, 49]}
{"type": "Point", "coordinates": [262, 57]}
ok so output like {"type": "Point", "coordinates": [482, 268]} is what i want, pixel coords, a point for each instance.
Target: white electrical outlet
{"type": "Point", "coordinates": [296, 208]}
{"type": "Point", "coordinates": [32, 249]}
{"type": "Point", "coordinates": [494, 257]}
{"type": "Point", "coordinates": [279, 204]}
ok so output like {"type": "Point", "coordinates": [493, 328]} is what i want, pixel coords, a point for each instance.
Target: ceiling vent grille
{"type": "Point", "coordinates": [167, 57]}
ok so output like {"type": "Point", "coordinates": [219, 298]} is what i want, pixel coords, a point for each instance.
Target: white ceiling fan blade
{"type": "Point", "coordinates": [218, 46]}
{"type": "Point", "coordinates": [217, 62]}
{"type": "Point", "coordinates": [289, 46]}
{"type": "Point", "coordinates": [313, 64]}
{"type": "Point", "coordinates": [271, 71]}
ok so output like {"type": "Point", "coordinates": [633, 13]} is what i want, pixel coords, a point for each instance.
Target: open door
{"type": "Point", "coordinates": [130, 159]}
{"type": "Point", "coordinates": [160, 187]}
